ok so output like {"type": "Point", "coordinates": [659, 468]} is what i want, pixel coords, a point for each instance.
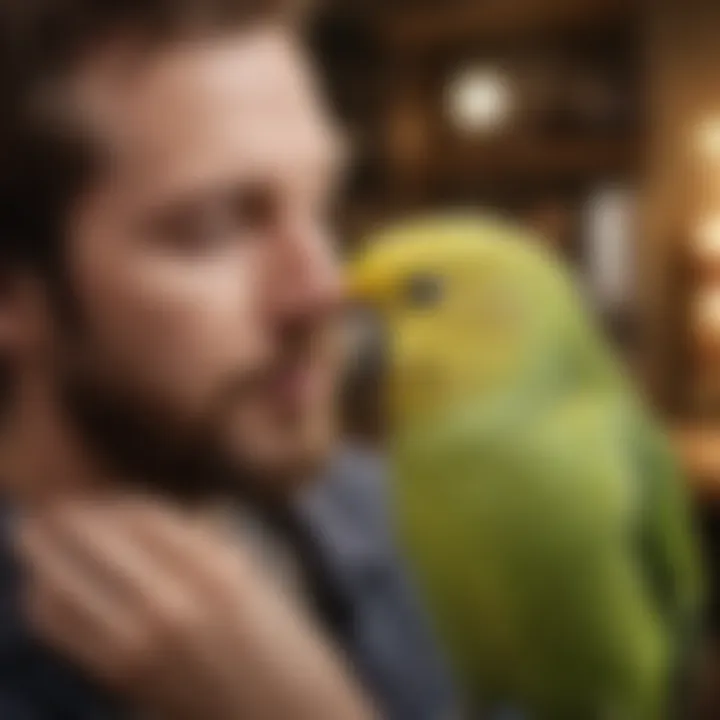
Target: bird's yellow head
{"type": "Point", "coordinates": [469, 305]}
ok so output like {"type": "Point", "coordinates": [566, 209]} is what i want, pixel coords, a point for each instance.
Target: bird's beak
{"type": "Point", "coordinates": [363, 287]}
{"type": "Point", "coordinates": [357, 288]}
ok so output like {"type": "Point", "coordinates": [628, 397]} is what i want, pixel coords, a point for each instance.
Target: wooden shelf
{"type": "Point", "coordinates": [498, 19]}
{"type": "Point", "coordinates": [518, 159]}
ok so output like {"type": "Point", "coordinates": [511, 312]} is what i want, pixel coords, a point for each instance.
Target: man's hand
{"type": "Point", "coordinates": [172, 615]}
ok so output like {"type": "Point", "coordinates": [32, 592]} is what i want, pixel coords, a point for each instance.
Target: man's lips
{"type": "Point", "coordinates": [295, 385]}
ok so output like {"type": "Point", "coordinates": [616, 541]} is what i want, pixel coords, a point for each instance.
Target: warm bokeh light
{"type": "Point", "coordinates": [709, 138]}
{"type": "Point", "coordinates": [479, 99]}
{"type": "Point", "coordinates": [708, 309]}
{"type": "Point", "coordinates": [707, 242]}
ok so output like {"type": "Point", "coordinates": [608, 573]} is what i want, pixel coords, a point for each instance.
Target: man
{"type": "Point", "coordinates": [168, 331]}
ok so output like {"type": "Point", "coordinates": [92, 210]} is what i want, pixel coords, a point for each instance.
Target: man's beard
{"type": "Point", "coordinates": [137, 442]}
{"type": "Point", "coordinates": [140, 439]}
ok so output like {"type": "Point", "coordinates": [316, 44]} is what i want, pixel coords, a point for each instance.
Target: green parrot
{"type": "Point", "coordinates": [539, 504]}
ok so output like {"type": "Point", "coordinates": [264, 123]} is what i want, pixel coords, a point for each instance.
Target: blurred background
{"type": "Point", "coordinates": [597, 122]}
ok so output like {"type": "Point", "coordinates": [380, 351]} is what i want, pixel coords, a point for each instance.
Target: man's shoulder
{"type": "Point", "coordinates": [348, 513]}
{"type": "Point", "coordinates": [354, 485]}
{"type": "Point", "coordinates": [348, 509]}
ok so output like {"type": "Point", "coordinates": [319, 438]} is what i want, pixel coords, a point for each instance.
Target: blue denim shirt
{"type": "Point", "coordinates": [376, 616]}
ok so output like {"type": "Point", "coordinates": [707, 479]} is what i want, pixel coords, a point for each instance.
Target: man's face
{"type": "Point", "coordinates": [200, 260]}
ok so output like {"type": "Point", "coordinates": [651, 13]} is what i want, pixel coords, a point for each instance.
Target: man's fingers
{"type": "Point", "coordinates": [202, 554]}
{"type": "Point", "coordinates": [105, 541]}
{"type": "Point", "coordinates": [93, 585]}
{"type": "Point", "coordinates": [68, 608]}
{"type": "Point", "coordinates": [159, 606]}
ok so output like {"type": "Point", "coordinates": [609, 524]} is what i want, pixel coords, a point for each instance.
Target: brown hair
{"type": "Point", "coordinates": [44, 160]}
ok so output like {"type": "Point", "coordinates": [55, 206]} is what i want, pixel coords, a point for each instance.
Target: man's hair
{"type": "Point", "coordinates": [45, 160]}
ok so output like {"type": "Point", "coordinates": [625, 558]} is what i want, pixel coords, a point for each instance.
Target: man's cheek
{"type": "Point", "coordinates": [171, 369]}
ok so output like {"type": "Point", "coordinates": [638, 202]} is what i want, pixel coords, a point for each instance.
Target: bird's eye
{"type": "Point", "coordinates": [424, 291]}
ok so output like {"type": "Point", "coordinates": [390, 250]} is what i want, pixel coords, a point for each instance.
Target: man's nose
{"type": "Point", "coordinates": [305, 278]}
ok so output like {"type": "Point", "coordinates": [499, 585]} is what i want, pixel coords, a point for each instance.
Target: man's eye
{"type": "Point", "coordinates": [212, 223]}
{"type": "Point", "coordinates": [210, 229]}
{"type": "Point", "coordinates": [196, 229]}
{"type": "Point", "coordinates": [424, 291]}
